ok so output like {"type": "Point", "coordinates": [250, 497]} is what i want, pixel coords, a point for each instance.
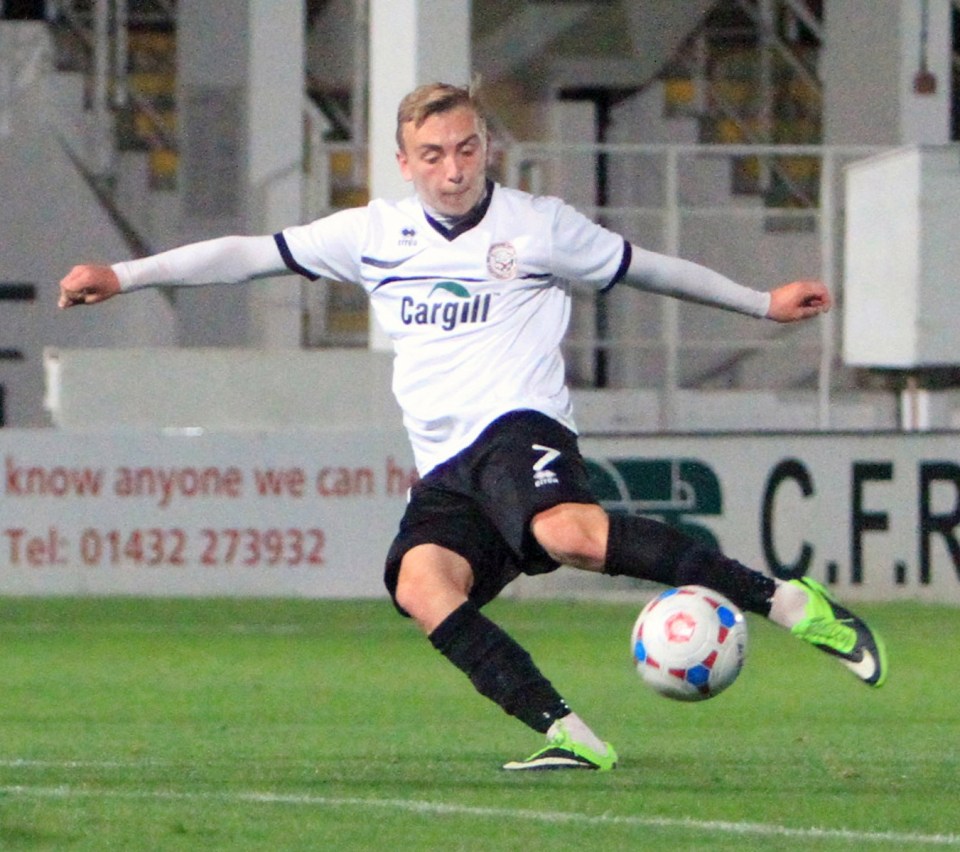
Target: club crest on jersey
{"type": "Point", "coordinates": [502, 261]}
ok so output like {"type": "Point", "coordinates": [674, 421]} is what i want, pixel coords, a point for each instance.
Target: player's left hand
{"type": "Point", "coordinates": [88, 284]}
{"type": "Point", "coordinates": [798, 300]}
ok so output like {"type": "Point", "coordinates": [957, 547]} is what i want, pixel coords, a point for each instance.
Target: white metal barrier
{"type": "Point", "coordinates": [672, 198]}
{"type": "Point", "coordinates": [681, 200]}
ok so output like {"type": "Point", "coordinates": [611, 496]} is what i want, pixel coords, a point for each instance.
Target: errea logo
{"type": "Point", "coordinates": [465, 308]}
{"type": "Point", "coordinates": [408, 237]}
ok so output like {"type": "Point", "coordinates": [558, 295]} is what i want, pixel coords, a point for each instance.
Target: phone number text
{"type": "Point", "coordinates": [246, 547]}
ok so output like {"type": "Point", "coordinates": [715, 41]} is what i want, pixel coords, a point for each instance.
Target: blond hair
{"type": "Point", "coordinates": [434, 99]}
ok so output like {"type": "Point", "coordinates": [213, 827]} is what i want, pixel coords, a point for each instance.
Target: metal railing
{"type": "Point", "coordinates": [102, 27]}
{"type": "Point", "coordinates": [678, 207]}
{"type": "Point", "coordinates": [681, 203]}
{"type": "Point", "coordinates": [22, 60]}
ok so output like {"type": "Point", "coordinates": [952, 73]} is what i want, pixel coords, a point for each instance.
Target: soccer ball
{"type": "Point", "coordinates": [689, 643]}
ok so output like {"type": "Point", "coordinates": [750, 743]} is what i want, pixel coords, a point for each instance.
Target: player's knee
{"type": "Point", "coordinates": [573, 534]}
{"type": "Point", "coordinates": [431, 583]}
{"type": "Point", "coordinates": [411, 587]}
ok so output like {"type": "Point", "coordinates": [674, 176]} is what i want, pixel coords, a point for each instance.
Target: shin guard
{"type": "Point", "coordinates": [651, 550]}
{"type": "Point", "coordinates": [498, 667]}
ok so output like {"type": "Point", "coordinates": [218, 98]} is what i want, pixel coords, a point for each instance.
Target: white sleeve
{"type": "Point", "coordinates": [582, 250]}
{"type": "Point", "coordinates": [683, 279]}
{"type": "Point", "coordinates": [226, 260]}
{"type": "Point", "coordinates": [330, 247]}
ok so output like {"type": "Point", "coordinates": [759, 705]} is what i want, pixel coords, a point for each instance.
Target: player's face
{"type": "Point", "coordinates": [446, 159]}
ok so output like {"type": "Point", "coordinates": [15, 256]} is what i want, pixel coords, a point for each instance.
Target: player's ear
{"type": "Point", "coordinates": [404, 163]}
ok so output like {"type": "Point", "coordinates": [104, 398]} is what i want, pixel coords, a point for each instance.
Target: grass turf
{"type": "Point", "coordinates": [276, 724]}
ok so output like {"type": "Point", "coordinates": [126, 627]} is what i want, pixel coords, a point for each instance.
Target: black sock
{"type": "Point", "coordinates": [651, 550]}
{"type": "Point", "coordinates": [498, 667]}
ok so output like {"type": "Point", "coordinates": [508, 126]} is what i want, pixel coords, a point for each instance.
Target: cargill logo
{"type": "Point", "coordinates": [440, 311]}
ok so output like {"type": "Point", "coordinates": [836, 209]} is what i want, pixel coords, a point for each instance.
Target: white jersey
{"type": "Point", "coordinates": [476, 313]}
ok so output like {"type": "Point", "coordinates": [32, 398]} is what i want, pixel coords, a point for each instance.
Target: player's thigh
{"type": "Point", "coordinates": [529, 464]}
{"type": "Point", "coordinates": [432, 582]}
{"type": "Point", "coordinates": [573, 534]}
{"type": "Point", "coordinates": [459, 534]}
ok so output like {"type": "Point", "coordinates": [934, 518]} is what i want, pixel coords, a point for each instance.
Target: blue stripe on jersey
{"type": "Point", "coordinates": [386, 264]}
{"type": "Point", "coordinates": [289, 260]}
{"type": "Point", "coordinates": [623, 267]}
{"type": "Point", "coordinates": [393, 279]}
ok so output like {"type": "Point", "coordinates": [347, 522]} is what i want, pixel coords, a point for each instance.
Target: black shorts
{"type": "Point", "coordinates": [479, 503]}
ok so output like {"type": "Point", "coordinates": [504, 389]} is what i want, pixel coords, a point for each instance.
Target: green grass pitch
{"type": "Point", "coordinates": [135, 724]}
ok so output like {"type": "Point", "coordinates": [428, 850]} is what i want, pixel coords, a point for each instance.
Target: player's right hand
{"type": "Point", "coordinates": [799, 300]}
{"type": "Point", "coordinates": [88, 284]}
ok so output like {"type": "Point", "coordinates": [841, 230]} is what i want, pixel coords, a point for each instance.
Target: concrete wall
{"type": "Point", "coordinates": [49, 221]}
{"type": "Point", "coordinates": [244, 389]}
{"type": "Point", "coordinates": [311, 512]}
{"type": "Point", "coordinates": [869, 65]}
{"type": "Point", "coordinates": [219, 389]}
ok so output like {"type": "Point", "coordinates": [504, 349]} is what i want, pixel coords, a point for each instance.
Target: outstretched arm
{"type": "Point", "coordinates": [683, 279]}
{"type": "Point", "coordinates": [226, 260]}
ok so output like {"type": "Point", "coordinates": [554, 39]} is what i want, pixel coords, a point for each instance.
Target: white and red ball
{"type": "Point", "coordinates": [689, 643]}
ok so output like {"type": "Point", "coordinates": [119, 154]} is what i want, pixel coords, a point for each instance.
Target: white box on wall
{"type": "Point", "coordinates": [902, 259]}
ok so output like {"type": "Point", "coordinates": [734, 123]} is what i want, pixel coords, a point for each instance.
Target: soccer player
{"type": "Point", "coordinates": [471, 281]}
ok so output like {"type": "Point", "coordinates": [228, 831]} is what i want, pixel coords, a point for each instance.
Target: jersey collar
{"type": "Point", "coordinates": [469, 220]}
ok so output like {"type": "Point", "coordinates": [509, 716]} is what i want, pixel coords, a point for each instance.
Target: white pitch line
{"type": "Point", "coordinates": [28, 763]}
{"type": "Point", "coordinates": [550, 817]}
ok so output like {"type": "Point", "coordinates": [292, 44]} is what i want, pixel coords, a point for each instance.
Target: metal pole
{"type": "Point", "coordinates": [601, 355]}
{"type": "Point", "coordinates": [358, 97]}
{"type": "Point", "coordinates": [765, 114]}
{"type": "Point", "coordinates": [670, 316]}
{"type": "Point", "coordinates": [6, 83]}
{"type": "Point", "coordinates": [828, 224]}
{"type": "Point", "coordinates": [102, 142]}
{"type": "Point", "coordinates": [121, 51]}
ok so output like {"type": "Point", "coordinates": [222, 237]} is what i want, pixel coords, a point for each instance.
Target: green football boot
{"type": "Point", "coordinates": [834, 629]}
{"type": "Point", "coordinates": [563, 753]}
